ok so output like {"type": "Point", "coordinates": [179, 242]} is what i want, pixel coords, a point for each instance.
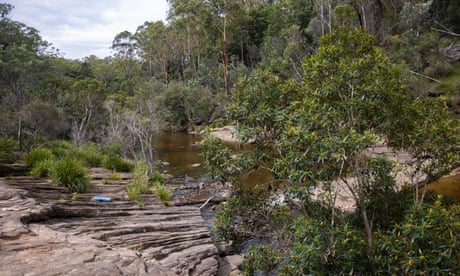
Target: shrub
{"type": "Point", "coordinates": [90, 154]}
{"type": "Point", "coordinates": [35, 156]}
{"type": "Point", "coordinates": [260, 258]}
{"type": "Point", "coordinates": [7, 147]}
{"type": "Point", "coordinates": [427, 242]}
{"type": "Point", "coordinates": [318, 248]}
{"type": "Point", "coordinates": [70, 173]}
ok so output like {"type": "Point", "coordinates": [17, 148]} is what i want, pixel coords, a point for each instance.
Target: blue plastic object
{"type": "Point", "coordinates": [102, 198]}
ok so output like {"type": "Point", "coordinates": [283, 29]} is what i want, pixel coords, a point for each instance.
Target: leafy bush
{"type": "Point", "coordinates": [7, 147]}
{"type": "Point", "coordinates": [70, 173]}
{"type": "Point", "coordinates": [35, 156]}
{"type": "Point", "coordinates": [427, 242]}
{"type": "Point", "coordinates": [260, 258]}
{"type": "Point", "coordinates": [321, 249]}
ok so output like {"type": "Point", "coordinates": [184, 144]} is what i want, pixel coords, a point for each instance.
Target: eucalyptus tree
{"type": "Point", "coordinates": [156, 47]}
{"type": "Point", "coordinates": [126, 61]}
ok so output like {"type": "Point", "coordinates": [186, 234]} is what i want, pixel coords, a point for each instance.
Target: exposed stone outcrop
{"type": "Point", "coordinates": [45, 230]}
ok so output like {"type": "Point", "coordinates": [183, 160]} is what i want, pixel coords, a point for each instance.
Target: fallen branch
{"type": "Point", "coordinates": [206, 202]}
{"type": "Point", "coordinates": [425, 76]}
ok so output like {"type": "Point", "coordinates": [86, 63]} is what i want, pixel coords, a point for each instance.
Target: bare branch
{"type": "Point", "coordinates": [425, 76]}
{"type": "Point", "coordinates": [444, 30]}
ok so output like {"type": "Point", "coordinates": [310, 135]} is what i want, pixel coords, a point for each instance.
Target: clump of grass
{"type": "Point", "coordinates": [70, 173]}
{"type": "Point", "coordinates": [7, 148]}
{"type": "Point", "coordinates": [134, 194]}
{"type": "Point", "coordinates": [162, 192]}
{"type": "Point", "coordinates": [117, 163]}
{"type": "Point", "coordinates": [113, 159]}
{"type": "Point", "coordinates": [43, 168]}
{"type": "Point", "coordinates": [36, 156]}
{"type": "Point", "coordinates": [60, 149]}
{"type": "Point", "coordinates": [140, 184]}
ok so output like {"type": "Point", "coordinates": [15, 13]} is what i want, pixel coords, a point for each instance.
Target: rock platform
{"type": "Point", "coordinates": [46, 230]}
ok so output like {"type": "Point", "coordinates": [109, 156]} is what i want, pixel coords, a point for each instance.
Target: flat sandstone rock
{"type": "Point", "coordinates": [44, 231]}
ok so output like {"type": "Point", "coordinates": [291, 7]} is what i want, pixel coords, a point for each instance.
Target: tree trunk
{"type": "Point", "coordinates": [224, 54]}
{"type": "Point", "coordinates": [368, 227]}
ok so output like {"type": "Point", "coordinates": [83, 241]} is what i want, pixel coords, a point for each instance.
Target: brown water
{"type": "Point", "coordinates": [448, 185]}
{"type": "Point", "coordinates": [181, 151]}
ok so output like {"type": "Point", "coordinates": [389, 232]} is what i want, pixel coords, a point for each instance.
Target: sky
{"type": "Point", "coordinates": [80, 28]}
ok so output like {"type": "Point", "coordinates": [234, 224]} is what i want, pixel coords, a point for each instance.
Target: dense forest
{"type": "Point", "coordinates": [315, 85]}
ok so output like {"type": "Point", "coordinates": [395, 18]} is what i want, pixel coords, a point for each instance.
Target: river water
{"type": "Point", "coordinates": [181, 151]}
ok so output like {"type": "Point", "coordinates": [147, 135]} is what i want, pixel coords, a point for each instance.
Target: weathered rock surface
{"type": "Point", "coordinates": [45, 230]}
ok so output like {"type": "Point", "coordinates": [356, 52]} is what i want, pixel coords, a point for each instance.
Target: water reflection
{"type": "Point", "coordinates": [181, 151]}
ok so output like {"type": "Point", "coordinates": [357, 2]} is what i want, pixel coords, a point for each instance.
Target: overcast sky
{"type": "Point", "coordinates": [79, 28]}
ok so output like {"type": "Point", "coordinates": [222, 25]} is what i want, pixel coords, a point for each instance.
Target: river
{"type": "Point", "coordinates": [181, 151]}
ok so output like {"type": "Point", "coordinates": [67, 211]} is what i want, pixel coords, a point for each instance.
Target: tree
{"type": "Point", "coordinates": [155, 47]}
{"type": "Point", "coordinates": [83, 104]}
{"type": "Point", "coordinates": [320, 135]}
{"type": "Point", "coordinates": [43, 122]}
{"type": "Point", "coordinates": [20, 47]}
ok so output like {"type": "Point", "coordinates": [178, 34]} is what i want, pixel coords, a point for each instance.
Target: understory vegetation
{"type": "Point", "coordinates": [316, 88]}
{"type": "Point", "coordinates": [68, 165]}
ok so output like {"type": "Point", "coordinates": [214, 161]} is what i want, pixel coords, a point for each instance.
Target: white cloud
{"type": "Point", "coordinates": [82, 28]}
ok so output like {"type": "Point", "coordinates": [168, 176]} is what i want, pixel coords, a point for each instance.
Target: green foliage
{"type": "Point", "coordinates": [91, 154]}
{"type": "Point", "coordinates": [135, 194]}
{"type": "Point", "coordinates": [113, 160]}
{"type": "Point", "coordinates": [140, 183]}
{"type": "Point", "coordinates": [60, 149]}
{"type": "Point", "coordinates": [243, 216]}
{"type": "Point", "coordinates": [7, 147]}
{"type": "Point", "coordinates": [426, 242]}
{"type": "Point", "coordinates": [432, 131]}
{"type": "Point", "coordinates": [37, 155]}
{"type": "Point", "coordinates": [43, 168]}
{"type": "Point", "coordinates": [70, 173]}
{"type": "Point", "coordinates": [181, 105]}
{"type": "Point", "coordinates": [320, 248]}
{"type": "Point", "coordinates": [321, 134]}
{"type": "Point", "coordinates": [260, 259]}
{"type": "Point", "coordinates": [217, 158]}
{"type": "Point", "coordinates": [162, 192]}
{"type": "Point", "coordinates": [117, 163]}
